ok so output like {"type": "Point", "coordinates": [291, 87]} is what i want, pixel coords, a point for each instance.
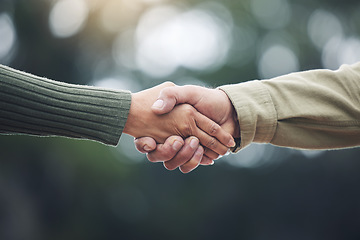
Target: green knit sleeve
{"type": "Point", "coordinates": [38, 106]}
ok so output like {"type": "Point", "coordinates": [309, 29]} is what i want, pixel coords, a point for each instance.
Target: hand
{"type": "Point", "coordinates": [188, 153]}
{"type": "Point", "coordinates": [184, 120]}
{"type": "Point", "coordinates": [213, 103]}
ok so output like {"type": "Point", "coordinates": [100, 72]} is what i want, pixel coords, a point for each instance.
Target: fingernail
{"type": "Point", "coordinates": [231, 143]}
{"type": "Point", "coordinates": [212, 163]}
{"type": "Point", "coordinates": [158, 104]}
{"type": "Point", "coordinates": [147, 148]}
{"type": "Point", "coordinates": [194, 143]}
{"type": "Point", "coordinates": [177, 145]}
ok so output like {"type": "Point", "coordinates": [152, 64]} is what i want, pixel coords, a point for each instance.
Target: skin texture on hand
{"type": "Point", "coordinates": [184, 120]}
{"type": "Point", "coordinates": [175, 152]}
{"type": "Point", "coordinates": [213, 103]}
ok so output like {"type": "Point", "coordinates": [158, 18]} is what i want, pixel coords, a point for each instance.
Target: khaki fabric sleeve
{"type": "Point", "coordinates": [318, 109]}
{"type": "Point", "coordinates": [255, 110]}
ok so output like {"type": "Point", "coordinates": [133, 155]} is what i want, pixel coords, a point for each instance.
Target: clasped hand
{"type": "Point", "coordinates": [185, 127]}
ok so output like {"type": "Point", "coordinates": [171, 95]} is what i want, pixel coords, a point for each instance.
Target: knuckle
{"type": "Point", "coordinates": [169, 84]}
{"type": "Point", "coordinates": [139, 143]}
{"type": "Point", "coordinates": [167, 92]}
{"type": "Point", "coordinates": [188, 110]}
{"type": "Point", "coordinates": [211, 143]}
{"type": "Point", "coordinates": [186, 130]}
{"type": "Point", "coordinates": [214, 128]}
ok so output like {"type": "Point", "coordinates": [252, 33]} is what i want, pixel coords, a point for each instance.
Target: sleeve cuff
{"type": "Point", "coordinates": [255, 110]}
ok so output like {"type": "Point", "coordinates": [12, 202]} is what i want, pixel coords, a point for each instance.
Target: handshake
{"type": "Point", "coordinates": [182, 126]}
{"type": "Point", "coordinates": [190, 125]}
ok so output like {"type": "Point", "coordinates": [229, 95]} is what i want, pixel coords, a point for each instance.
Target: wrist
{"type": "Point", "coordinates": [231, 116]}
{"type": "Point", "coordinates": [133, 122]}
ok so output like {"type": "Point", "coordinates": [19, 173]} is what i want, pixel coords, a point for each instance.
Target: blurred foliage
{"type": "Point", "coordinates": [57, 188]}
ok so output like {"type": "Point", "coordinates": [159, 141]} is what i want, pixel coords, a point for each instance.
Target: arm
{"type": "Point", "coordinates": [38, 106]}
{"type": "Point", "coordinates": [318, 109]}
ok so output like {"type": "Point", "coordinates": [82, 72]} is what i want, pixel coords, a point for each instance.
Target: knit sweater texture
{"type": "Point", "coordinates": [39, 106]}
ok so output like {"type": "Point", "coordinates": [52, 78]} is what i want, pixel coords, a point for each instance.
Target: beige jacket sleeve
{"type": "Point", "coordinates": [318, 109]}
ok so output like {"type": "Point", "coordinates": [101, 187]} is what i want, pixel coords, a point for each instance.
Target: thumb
{"type": "Point", "coordinates": [145, 144]}
{"type": "Point", "coordinates": [166, 101]}
{"type": "Point", "coordinates": [171, 96]}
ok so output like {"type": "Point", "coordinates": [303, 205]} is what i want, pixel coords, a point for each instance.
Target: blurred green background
{"type": "Point", "coordinates": [57, 188]}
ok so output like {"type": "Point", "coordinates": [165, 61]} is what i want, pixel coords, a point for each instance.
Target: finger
{"type": "Point", "coordinates": [194, 162]}
{"type": "Point", "coordinates": [184, 155]}
{"type": "Point", "coordinates": [214, 129]}
{"type": "Point", "coordinates": [205, 138]}
{"type": "Point", "coordinates": [166, 151]}
{"type": "Point", "coordinates": [206, 161]}
{"type": "Point", "coordinates": [210, 142]}
{"type": "Point", "coordinates": [209, 157]}
{"type": "Point", "coordinates": [145, 144]}
{"type": "Point", "coordinates": [171, 96]}
{"type": "Point", "coordinates": [211, 154]}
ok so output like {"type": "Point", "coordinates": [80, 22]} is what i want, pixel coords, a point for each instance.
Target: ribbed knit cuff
{"type": "Point", "coordinates": [38, 106]}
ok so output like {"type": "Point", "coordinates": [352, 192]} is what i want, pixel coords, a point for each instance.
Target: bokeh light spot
{"type": "Point", "coordinates": [271, 14]}
{"type": "Point", "coordinates": [243, 47]}
{"type": "Point", "coordinates": [339, 50]}
{"type": "Point", "coordinates": [67, 17]}
{"type": "Point", "coordinates": [260, 156]}
{"type": "Point", "coordinates": [322, 26]}
{"type": "Point", "coordinates": [151, 1]}
{"type": "Point", "coordinates": [123, 49]}
{"type": "Point", "coordinates": [311, 154]}
{"type": "Point", "coordinates": [126, 147]}
{"type": "Point", "coordinates": [7, 35]}
{"type": "Point", "coordinates": [250, 157]}
{"type": "Point", "coordinates": [117, 15]}
{"type": "Point", "coordinates": [277, 60]}
{"type": "Point", "coordinates": [119, 82]}
{"type": "Point", "coordinates": [193, 39]}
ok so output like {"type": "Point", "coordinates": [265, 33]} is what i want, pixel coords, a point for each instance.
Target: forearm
{"type": "Point", "coordinates": [38, 106]}
{"type": "Point", "coordinates": [317, 109]}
